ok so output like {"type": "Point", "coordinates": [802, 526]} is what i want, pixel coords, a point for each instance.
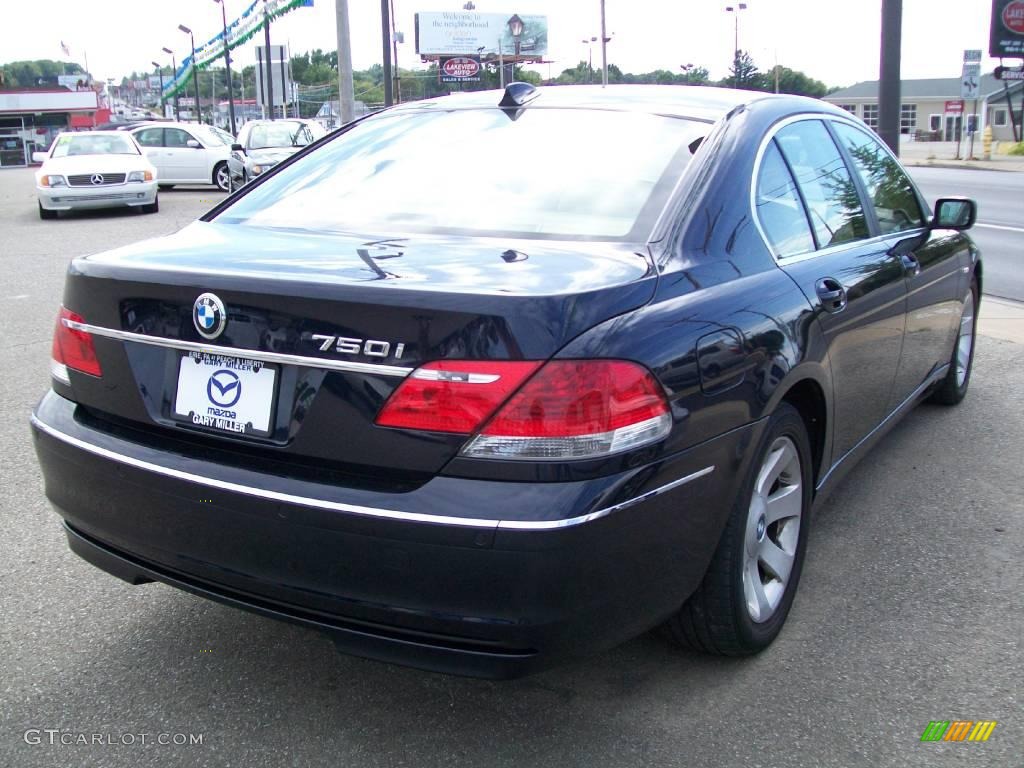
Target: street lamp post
{"type": "Point", "coordinates": [227, 64]}
{"type": "Point", "coordinates": [515, 26]}
{"type": "Point", "coordinates": [160, 71]}
{"type": "Point", "coordinates": [195, 70]}
{"type": "Point", "coordinates": [174, 73]}
{"type": "Point", "coordinates": [735, 10]}
{"type": "Point", "coordinates": [590, 58]}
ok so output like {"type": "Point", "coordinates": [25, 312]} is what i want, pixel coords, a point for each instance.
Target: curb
{"type": "Point", "coordinates": [969, 165]}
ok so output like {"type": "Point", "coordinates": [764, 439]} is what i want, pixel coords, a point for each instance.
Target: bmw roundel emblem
{"type": "Point", "coordinates": [209, 316]}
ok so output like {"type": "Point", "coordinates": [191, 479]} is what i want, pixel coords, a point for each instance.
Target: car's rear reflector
{"type": "Point", "coordinates": [72, 348]}
{"type": "Point", "coordinates": [453, 395]}
{"type": "Point", "coordinates": [576, 409]}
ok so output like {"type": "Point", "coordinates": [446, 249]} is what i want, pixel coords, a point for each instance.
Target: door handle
{"type": "Point", "coordinates": [831, 294]}
{"type": "Point", "coordinates": [910, 264]}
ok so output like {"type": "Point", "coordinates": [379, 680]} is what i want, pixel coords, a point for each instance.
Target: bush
{"type": "Point", "coordinates": [1017, 149]}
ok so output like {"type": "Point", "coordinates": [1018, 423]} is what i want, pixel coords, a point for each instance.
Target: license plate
{"type": "Point", "coordinates": [231, 394]}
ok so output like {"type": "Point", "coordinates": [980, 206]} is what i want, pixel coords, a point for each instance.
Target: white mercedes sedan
{"type": "Point", "coordinates": [94, 169]}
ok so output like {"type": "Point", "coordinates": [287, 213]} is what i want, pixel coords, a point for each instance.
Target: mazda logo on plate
{"type": "Point", "coordinates": [209, 316]}
{"type": "Point", "coordinates": [224, 388]}
{"type": "Point", "coordinates": [96, 178]}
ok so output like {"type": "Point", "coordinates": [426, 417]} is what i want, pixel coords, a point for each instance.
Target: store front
{"type": "Point", "coordinates": [30, 119]}
{"type": "Point", "coordinates": [12, 143]}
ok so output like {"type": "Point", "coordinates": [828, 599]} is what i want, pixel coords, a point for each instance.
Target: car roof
{"type": "Point", "coordinates": [703, 103]}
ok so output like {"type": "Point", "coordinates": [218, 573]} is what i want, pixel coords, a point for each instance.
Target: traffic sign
{"type": "Point", "coordinates": [970, 81]}
{"type": "Point", "coordinates": [972, 56]}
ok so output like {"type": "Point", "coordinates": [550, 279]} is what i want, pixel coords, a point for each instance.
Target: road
{"type": "Point", "coordinates": [909, 611]}
{"type": "Point", "coordinates": [999, 232]}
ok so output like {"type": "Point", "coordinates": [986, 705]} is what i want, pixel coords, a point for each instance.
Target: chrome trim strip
{"type": "Point", "coordinates": [355, 509]}
{"type": "Point", "coordinates": [250, 354]}
{"type": "Point", "coordinates": [555, 524]}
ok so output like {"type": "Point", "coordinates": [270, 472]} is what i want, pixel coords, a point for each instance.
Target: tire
{"type": "Point", "coordinates": [153, 207]}
{"type": "Point", "coordinates": [719, 617]}
{"type": "Point", "coordinates": [221, 176]}
{"type": "Point", "coordinates": [45, 214]}
{"type": "Point", "coordinates": [954, 386]}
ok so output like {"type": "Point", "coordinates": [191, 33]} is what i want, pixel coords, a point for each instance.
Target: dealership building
{"type": "Point", "coordinates": [31, 118]}
{"type": "Point", "coordinates": [930, 110]}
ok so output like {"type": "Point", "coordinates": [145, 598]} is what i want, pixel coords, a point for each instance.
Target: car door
{"type": "Point", "coordinates": [152, 142]}
{"type": "Point", "coordinates": [932, 260]}
{"type": "Point", "coordinates": [188, 163]}
{"type": "Point", "coordinates": [855, 285]}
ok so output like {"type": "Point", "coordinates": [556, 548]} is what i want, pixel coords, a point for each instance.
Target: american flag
{"type": "Point", "coordinates": [64, 47]}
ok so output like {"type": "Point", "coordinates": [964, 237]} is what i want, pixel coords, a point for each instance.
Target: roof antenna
{"type": "Point", "coordinates": [517, 95]}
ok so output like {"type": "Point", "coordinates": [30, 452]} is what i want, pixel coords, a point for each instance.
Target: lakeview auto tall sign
{"type": "Point", "coordinates": [1006, 37]}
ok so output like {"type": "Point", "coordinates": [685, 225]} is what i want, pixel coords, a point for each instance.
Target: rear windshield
{"type": "Point", "coordinates": [566, 173]}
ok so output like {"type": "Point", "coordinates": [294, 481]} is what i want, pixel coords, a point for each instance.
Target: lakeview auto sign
{"type": "Point", "coordinates": [467, 33]}
{"type": "Point", "coordinates": [1006, 37]}
{"type": "Point", "coordinates": [459, 69]}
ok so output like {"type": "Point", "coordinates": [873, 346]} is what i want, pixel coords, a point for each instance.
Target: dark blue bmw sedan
{"type": "Point", "coordinates": [481, 383]}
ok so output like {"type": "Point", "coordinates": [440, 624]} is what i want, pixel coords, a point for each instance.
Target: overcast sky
{"type": "Point", "coordinates": [832, 40]}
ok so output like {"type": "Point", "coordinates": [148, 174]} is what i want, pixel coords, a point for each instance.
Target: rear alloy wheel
{"type": "Point", "coordinates": [222, 177]}
{"type": "Point", "coordinates": [954, 387]}
{"type": "Point", "coordinates": [746, 594]}
{"type": "Point", "coordinates": [45, 214]}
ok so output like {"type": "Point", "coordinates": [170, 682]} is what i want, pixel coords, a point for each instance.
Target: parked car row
{"type": "Point", "coordinates": [105, 163]}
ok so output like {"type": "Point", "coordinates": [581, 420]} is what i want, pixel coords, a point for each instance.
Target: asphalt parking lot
{"type": "Point", "coordinates": [910, 610]}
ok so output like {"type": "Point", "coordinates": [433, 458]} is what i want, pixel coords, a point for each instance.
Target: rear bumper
{"type": "Point", "coordinates": [81, 198]}
{"type": "Point", "coordinates": [483, 578]}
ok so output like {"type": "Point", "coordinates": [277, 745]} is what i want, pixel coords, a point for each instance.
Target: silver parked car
{"type": "Point", "coordinates": [262, 144]}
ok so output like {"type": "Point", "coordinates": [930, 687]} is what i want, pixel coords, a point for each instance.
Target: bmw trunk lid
{"type": "Point", "coordinates": [320, 329]}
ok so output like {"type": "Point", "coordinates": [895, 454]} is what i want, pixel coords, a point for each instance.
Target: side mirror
{"type": "Point", "coordinates": [238, 148]}
{"type": "Point", "coordinates": [193, 143]}
{"type": "Point", "coordinates": [39, 157]}
{"type": "Point", "coordinates": [957, 213]}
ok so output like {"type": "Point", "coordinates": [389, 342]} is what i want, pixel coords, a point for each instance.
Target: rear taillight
{"type": "Point", "coordinates": [72, 348]}
{"type": "Point", "coordinates": [453, 395]}
{"type": "Point", "coordinates": [569, 409]}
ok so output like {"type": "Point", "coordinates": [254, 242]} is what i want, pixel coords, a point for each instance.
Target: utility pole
{"type": "Point", "coordinates": [270, 72]}
{"type": "Point", "coordinates": [604, 50]}
{"type": "Point", "coordinates": [385, 32]}
{"type": "Point", "coordinates": [346, 93]}
{"type": "Point", "coordinates": [227, 65]}
{"type": "Point", "coordinates": [889, 74]}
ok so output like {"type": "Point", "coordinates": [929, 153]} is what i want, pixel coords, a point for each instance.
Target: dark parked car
{"type": "Point", "coordinates": [488, 381]}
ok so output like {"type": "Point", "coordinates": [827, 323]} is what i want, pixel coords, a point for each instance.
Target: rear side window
{"type": "Point", "coordinates": [150, 137]}
{"type": "Point", "coordinates": [175, 137]}
{"type": "Point", "coordinates": [888, 186]}
{"type": "Point", "coordinates": [833, 202]}
{"type": "Point", "coordinates": [779, 208]}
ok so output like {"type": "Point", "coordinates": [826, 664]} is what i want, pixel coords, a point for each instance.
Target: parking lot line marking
{"type": "Point", "coordinates": [1000, 226]}
{"type": "Point", "coordinates": [19, 296]}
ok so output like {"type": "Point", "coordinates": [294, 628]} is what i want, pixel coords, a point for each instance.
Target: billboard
{"type": "Point", "coordinates": [1006, 36]}
{"type": "Point", "coordinates": [468, 33]}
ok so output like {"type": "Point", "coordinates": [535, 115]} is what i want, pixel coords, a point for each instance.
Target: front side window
{"type": "Point", "coordinates": [833, 201]}
{"type": "Point", "coordinates": [779, 208]}
{"type": "Point", "coordinates": [175, 137]}
{"type": "Point", "coordinates": [551, 172]}
{"type": "Point", "coordinates": [888, 186]}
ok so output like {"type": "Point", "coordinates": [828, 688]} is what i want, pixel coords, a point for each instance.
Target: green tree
{"type": "Point", "coordinates": [30, 73]}
{"type": "Point", "coordinates": [744, 73]}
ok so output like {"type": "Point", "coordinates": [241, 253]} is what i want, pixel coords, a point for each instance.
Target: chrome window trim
{"type": "Point", "coordinates": [250, 354]}
{"type": "Point", "coordinates": [335, 506]}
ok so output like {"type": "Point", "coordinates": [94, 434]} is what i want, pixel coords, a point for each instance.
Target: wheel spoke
{"type": "Point", "coordinates": [773, 465]}
{"type": "Point", "coordinates": [757, 601]}
{"type": "Point", "coordinates": [778, 561]}
{"type": "Point", "coordinates": [785, 502]}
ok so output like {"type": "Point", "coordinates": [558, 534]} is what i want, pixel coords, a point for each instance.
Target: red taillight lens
{"type": "Point", "coordinates": [453, 395]}
{"type": "Point", "coordinates": [568, 409]}
{"type": "Point", "coordinates": [73, 348]}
